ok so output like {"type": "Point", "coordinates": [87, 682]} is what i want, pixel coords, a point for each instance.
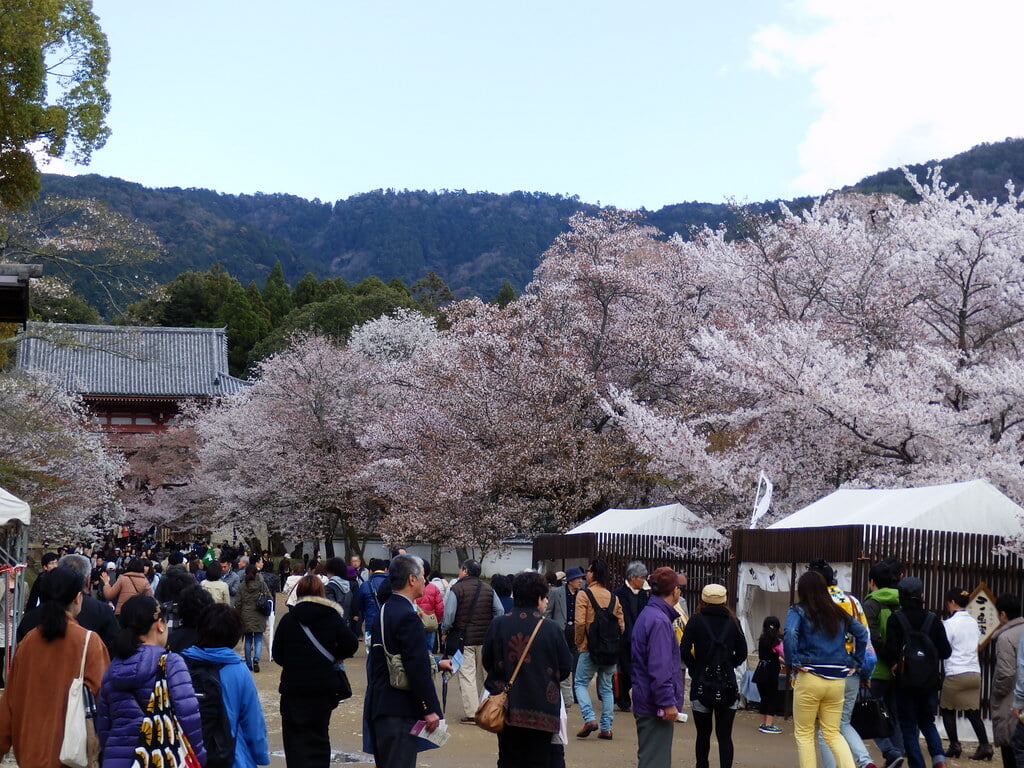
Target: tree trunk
{"type": "Point", "coordinates": [462, 554]}
{"type": "Point", "coordinates": [332, 528]}
{"type": "Point", "coordinates": [276, 544]}
{"type": "Point", "coordinates": [355, 547]}
{"type": "Point", "coordinates": [435, 558]}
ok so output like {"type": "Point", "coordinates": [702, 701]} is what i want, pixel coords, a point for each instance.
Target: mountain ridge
{"type": "Point", "coordinates": [475, 241]}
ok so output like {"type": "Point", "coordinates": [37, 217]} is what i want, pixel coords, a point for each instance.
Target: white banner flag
{"type": "Point", "coordinates": [763, 498]}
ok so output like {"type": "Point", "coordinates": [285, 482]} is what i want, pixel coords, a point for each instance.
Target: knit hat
{"type": "Point", "coordinates": [663, 580]}
{"type": "Point", "coordinates": [713, 594]}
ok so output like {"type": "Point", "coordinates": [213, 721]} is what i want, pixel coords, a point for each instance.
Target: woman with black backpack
{"type": "Point", "coordinates": [815, 647]}
{"type": "Point", "coordinates": [712, 647]}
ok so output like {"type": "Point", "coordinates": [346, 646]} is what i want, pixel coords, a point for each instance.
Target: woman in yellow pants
{"type": "Point", "coordinates": [815, 646]}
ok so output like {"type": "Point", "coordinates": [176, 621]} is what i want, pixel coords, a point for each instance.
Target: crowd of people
{"type": "Point", "coordinates": [167, 644]}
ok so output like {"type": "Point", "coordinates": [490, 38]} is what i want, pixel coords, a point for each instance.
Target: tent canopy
{"type": "Point", "coordinates": [667, 520]}
{"type": "Point", "coordinates": [13, 508]}
{"type": "Point", "coordinates": [972, 507]}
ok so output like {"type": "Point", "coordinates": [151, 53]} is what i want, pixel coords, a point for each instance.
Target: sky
{"type": "Point", "coordinates": [632, 105]}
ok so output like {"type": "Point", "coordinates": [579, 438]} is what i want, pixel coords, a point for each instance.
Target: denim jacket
{"type": "Point", "coordinates": [805, 647]}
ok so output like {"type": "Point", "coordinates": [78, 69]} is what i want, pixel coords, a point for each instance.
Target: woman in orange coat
{"type": "Point", "coordinates": [33, 706]}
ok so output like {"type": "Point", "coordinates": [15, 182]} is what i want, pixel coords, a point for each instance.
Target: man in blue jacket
{"type": "Point", "coordinates": [391, 712]}
{"type": "Point", "coordinates": [366, 604]}
{"type": "Point", "coordinates": [657, 673]}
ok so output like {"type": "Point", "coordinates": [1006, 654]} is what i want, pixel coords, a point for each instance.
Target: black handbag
{"type": "Point", "coordinates": [765, 673]}
{"type": "Point", "coordinates": [870, 717]}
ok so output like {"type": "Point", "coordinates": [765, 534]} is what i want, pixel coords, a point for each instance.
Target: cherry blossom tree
{"type": "Point", "coordinates": [287, 452]}
{"type": "Point", "coordinates": [863, 342]}
{"type": "Point", "coordinates": [488, 438]}
{"type": "Point", "coordinates": [51, 457]}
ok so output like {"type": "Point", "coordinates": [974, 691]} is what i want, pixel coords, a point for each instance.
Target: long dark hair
{"type": "Point", "coordinates": [818, 605]}
{"type": "Point", "coordinates": [138, 615]}
{"type": "Point", "coordinates": [770, 629]}
{"type": "Point", "coordinates": [250, 572]}
{"type": "Point", "coordinates": [59, 589]}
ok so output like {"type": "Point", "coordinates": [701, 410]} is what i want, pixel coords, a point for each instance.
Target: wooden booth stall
{"type": "Point", "coordinates": [946, 535]}
{"type": "Point", "coordinates": [620, 536]}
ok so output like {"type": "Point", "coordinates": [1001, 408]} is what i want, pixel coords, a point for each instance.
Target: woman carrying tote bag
{"type": "Point", "coordinates": [33, 706]}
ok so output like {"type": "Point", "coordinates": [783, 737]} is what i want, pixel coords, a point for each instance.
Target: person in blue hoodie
{"type": "Point", "coordinates": [220, 629]}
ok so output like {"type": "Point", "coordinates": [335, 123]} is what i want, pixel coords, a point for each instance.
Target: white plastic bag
{"type": "Point", "coordinates": [74, 751]}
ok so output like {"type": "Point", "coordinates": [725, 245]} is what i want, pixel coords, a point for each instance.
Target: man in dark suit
{"type": "Point", "coordinates": [94, 615]}
{"type": "Point", "coordinates": [391, 712]}
{"type": "Point", "coordinates": [633, 596]}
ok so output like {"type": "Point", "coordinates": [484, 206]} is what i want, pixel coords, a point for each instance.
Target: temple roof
{"type": "Point", "coordinates": [123, 360]}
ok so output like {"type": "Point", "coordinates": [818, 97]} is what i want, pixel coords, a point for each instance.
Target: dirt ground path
{"type": "Point", "coordinates": [470, 747]}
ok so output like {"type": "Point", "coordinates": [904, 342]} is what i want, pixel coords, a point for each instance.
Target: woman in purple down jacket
{"type": "Point", "coordinates": [129, 681]}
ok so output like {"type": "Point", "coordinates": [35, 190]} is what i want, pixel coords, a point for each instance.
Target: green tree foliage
{"type": "Point", "coordinates": [53, 94]}
{"type": "Point", "coordinates": [338, 313]}
{"type": "Point", "coordinates": [432, 292]}
{"type": "Point", "coordinates": [505, 296]}
{"type": "Point", "coordinates": [277, 296]}
{"type": "Point", "coordinates": [210, 299]}
{"type": "Point", "coordinates": [246, 327]}
{"type": "Point", "coordinates": [307, 290]}
{"type": "Point", "coordinates": [256, 301]}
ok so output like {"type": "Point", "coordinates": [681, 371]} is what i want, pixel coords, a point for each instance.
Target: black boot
{"type": "Point", "coordinates": [985, 752]}
{"type": "Point", "coordinates": [954, 750]}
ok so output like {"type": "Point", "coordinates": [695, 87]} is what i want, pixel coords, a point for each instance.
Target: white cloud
{"type": "Point", "coordinates": [897, 82]}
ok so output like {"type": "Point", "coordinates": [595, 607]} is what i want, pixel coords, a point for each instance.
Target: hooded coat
{"type": "Point", "coordinates": [241, 704]}
{"type": "Point", "coordinates": [126, 687]}
{"type": "Point", "coordinates": [304, 670]}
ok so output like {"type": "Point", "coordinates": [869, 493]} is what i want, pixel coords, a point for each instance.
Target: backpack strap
{"type": "Point", "coordinates": [904, 623]}
{"type": "Point", "coordinates": [597, 608]}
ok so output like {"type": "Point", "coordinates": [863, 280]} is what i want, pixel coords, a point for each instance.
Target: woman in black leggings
{"type": "Point", "coordinates": [712, 647]}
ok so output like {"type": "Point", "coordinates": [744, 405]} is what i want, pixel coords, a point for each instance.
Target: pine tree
{"type": "Point", "coordinates": [277, 295]}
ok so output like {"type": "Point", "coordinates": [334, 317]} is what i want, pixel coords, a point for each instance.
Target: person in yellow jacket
{"type": "Point", "coordinates": [596, 593]}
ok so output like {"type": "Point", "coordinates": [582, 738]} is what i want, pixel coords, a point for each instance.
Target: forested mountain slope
{"type": "Point", "coordinates": [473, 240]}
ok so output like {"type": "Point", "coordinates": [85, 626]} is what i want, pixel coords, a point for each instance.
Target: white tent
{"type": "Point", "coordinates": [13, 508]}
{"type": "Point", "coordinates": [667, 520]}
{"type": "Point", "coordinates": [763, 589]}
{"type": "Point", "coordinates": [972, 507]}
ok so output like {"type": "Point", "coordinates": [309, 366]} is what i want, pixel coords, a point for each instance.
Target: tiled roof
{"type": "Point", "coordinates": [122, 360]}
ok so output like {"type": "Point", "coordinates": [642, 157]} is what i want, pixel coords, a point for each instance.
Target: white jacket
{"type": "Point", "coordinates": [964, 636]}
